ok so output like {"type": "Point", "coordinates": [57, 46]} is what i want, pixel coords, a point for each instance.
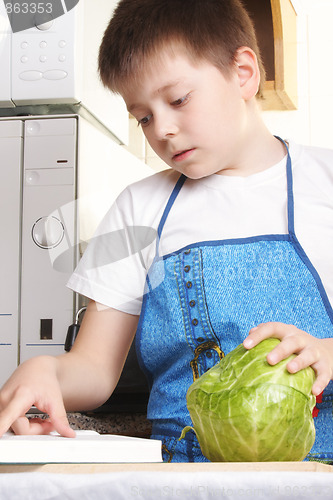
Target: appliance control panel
{"type": "Point", "coordinates": [45, 53]}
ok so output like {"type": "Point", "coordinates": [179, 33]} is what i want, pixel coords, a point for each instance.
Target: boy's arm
{"type": "Point", "coordinates": [310, 351]}
{"type": "Point", "coordinates": [79, 380]}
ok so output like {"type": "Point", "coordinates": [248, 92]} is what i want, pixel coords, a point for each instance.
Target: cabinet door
{"type": "Point", "coordinates": [5, 53]}
{"type": "Point", "coordinates": [10, 203]}
{"type": "Point", "coordinates": [275, 22]}
{"type": "Point", "coordinates": [48, 235]}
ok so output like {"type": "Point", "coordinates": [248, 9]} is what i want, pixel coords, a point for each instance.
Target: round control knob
{"type": "Point", "coordinates": [48, 232]}
{"type": "Point", "coordinates": [44, 21]}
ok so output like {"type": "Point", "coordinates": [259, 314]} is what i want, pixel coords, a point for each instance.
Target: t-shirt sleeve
{"type": "Point", "coordinates": [113, 268]}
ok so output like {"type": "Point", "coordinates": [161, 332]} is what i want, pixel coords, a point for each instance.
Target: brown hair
{"type": "Point", "coordinates": [208, 29]}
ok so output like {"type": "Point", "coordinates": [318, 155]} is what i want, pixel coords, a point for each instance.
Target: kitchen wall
{"type": "Point", "coordinates": [312, 122]}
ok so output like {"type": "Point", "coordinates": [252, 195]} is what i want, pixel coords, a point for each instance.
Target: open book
{"type": "Point", "coordinates": [86, 447]}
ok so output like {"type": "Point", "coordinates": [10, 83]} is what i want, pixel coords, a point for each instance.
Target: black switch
{"type": "Point", "coordinates": [46, 326]}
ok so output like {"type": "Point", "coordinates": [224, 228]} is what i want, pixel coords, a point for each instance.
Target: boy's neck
{"type": "Point", "coordinates": [262, 149]}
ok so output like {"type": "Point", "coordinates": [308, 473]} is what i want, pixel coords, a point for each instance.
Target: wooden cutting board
{"type": "Point", "coordinates": [163, 467]}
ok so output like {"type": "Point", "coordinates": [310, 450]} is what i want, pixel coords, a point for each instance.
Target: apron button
{"type": "Point", "coordinates": [187, 268]}
{"type": "Point", "coordinates": [195, 322]}
{"type": "Point", "coordinates": [189, 284]}
{"type": "Point", "coordinates": [209, 354]}
{"type": "Point", "coordinates": [187, 252]}
{"type": "Point", "coordinates": [200, 339]}
{"type": "Point", "coordinates": [192, 303]}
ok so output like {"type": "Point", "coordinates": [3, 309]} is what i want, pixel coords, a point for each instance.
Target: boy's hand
{"type": "Point", "coordinates": [33, 383]}
{"type": "Point", "coordinates": [81, 379]}
{"type": "Point", "coordinates": [310, 351]}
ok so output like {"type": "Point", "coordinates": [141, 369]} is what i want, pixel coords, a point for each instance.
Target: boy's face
{"type": "Point", "coordinates": [193, 117]}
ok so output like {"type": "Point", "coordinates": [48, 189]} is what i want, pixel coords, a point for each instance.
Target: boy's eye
{"type": "Point", "coordinates": [181, 100]}
{"type": "Point", "coordinates": [145, 120]}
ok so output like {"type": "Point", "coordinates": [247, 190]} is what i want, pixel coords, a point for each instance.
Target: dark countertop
{"type": "Point", "coordinates": [126, 424]}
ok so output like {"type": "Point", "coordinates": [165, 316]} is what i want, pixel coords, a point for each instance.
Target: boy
{"type": "Point", "coordinates": [226, 266]}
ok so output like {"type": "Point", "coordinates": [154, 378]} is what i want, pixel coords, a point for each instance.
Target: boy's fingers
{"type": "Point", "coordinates": [323, 376]}
{"type": "Point", "coordinates": [26, 426]}
{"type": "Point", "coordinates": [264, 331]}
{"type": "Point", "coordinates": [322, 380]}
{"type": "Point", "coordinates": [307, 357]}
{"type": "Point", "coordinates": [11, 413]}
{"type": "Point", "coordinates": [293, 339]}
{"type": "Point", "coordinates": [319, 385]}
{"type": "Point", "coordinates": [13, 416]}
{"type": "Point", "coordinates": [39, 426]}
{"type": "Point", "coordinates": [61, 425]}
{"type": "Point", "coordinates": [57, 418]}
{"type": "Point", "coordinates": [292, 345]}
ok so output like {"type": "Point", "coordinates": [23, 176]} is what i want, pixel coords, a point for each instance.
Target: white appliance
{"type": "Point", "coordinates": [59, 175]}
{"type": "Point", "coordinates": [53, 65]}
{"type": "Point", "coordinates": [62, 165]}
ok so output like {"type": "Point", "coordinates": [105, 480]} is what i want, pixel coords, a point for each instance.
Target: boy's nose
{"type": "Point", "coordinates": [164, 127]}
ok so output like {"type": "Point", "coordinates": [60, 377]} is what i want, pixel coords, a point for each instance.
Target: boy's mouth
{"type": "Point", "coordinates": [182, 155]}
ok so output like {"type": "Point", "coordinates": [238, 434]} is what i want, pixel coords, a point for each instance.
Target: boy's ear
{"type": "Point", "coordinates": [248, 72]}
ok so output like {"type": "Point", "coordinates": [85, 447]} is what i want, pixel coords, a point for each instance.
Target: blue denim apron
{"type": "Point", "coordinates": [200, 303]}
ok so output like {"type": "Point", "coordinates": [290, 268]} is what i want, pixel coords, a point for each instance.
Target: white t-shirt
{"type": "Point", "coordinates": [112, 271]}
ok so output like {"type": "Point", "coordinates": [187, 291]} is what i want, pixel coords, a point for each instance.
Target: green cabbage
{"type": "Point", "coordinates": [245, 410]}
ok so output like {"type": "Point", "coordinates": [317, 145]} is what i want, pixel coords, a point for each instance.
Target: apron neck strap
{"type": "Point", "coordinates": [168, 207]}
{"type": "Point", "coordinates": [290, 194]}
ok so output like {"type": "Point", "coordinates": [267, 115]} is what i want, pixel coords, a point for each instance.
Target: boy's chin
{"type": "Point", "coordinates": [195, 174]}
